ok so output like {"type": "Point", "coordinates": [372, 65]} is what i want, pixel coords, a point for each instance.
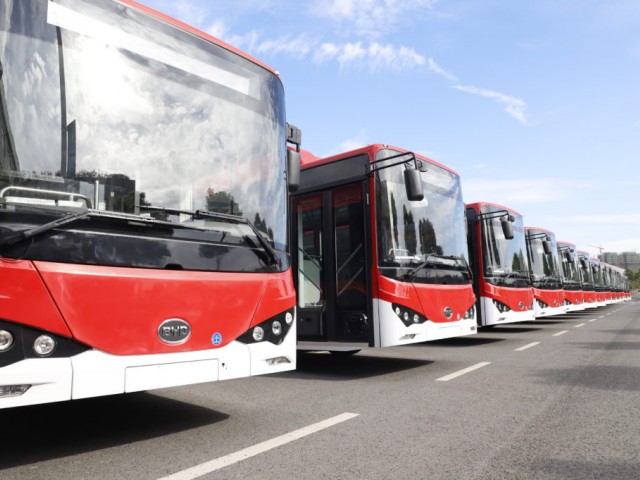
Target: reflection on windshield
{"type": "Point", "coordinates": [544, 267]}
{"type": "Point", "coordinates": [105, 108]}
{"type": "Point", "coordinates": [431, 231]}
{"type": "Point", "coordinates": [505, 260]}
{"type": "Point", "coordinates": [570, 270]}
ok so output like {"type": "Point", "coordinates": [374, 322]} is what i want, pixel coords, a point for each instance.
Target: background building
{"type": "Point", "coordinates": [630, 260]}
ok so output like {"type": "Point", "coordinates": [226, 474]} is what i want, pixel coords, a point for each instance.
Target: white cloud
{"type": "Point", "coordinates": [435, 68]}
{"type": "Point", "coordinates": [218, 29]}
{"type": "Point", "coordinates": [297, 47]}
{"type": "Point", "coordinates": [624, 219]}
{"type": "Point", "coordinates": [360, 140]}
{"type": "Point", "coordinates": [187, 11]}
{"type": "Point", "coordinates": [374, 56]}
{"type": "Point", "coordinates": [514, 107]}
{"type": "Point", "coordinates": [370, 18]}
{"type": "Point", "coordinates": [511, 192]}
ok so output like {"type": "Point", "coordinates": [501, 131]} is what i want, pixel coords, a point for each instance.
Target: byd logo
{"type": "Point", "coordinates": [174, 331]}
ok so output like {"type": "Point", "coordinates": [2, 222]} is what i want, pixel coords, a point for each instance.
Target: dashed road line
{"type": "Point", "coordinates": [560, 333]}
{"type": "Point", "coordinates": [527, 346]}
{"type": "Point", "coordinates": [453, 375]}
{"type": "Point", "coordinates": [218, 463]}
{"type": "Point", "coordinates": [579, 325]}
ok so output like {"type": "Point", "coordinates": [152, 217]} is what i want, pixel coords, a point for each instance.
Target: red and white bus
{"type": "Point", "coordinates": [602, 294]}
{"type": "Point", "coordinates": [500, 265]}
{"type": "Point", "coordinates": [381, 251]}
{"type": "Point", "coordinates": [621, 283]}
{"type": "Point", "coordinates": [571, 279]}
{"type": "Point", "coordinates": [545, 275]}
{"type": "Point", "coordinates": [143, 205]}
{"type": "Point", "coordinates": [587, 279]}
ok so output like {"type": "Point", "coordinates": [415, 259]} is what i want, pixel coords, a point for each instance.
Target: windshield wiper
{"type": "Point", "coordinates": [23, 235]}
{"type": "Point", "coordinates": [272, 256]}
{"type": "Point", "coordinates": [69, 218]}
{"type": "Point", "coordinates": [520, 275]}
{"type": "Point", "coordinates": [441, 260]}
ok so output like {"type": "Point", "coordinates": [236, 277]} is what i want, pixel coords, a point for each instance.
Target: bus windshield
{"type": "Point", "coordinates": [505, 260]}
{"type": "Point", "coordinates": [106, 108]}
{"type": "Point", "coordinates": [422, 241]}
{"type": "Point", "coordinates": [570, 271]}
{"type": "Point", "coordinates": [544, 266]}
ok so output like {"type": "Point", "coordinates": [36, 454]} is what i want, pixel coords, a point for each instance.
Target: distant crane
{"type": "Point", "coordinates": [599, 247]}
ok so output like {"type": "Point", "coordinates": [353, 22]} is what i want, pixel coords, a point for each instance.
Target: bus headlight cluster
{"type": "Point", "coordinates": [20, 342]}
{"type": "Point", "coordinates": [272, 330]}
{"type": "Point", "coordinates": [471, 313]}
{"type": "Point", "coordinates": [408, 316]}
{"type": "Point", "coordinates": [502, 307]}
{"type": "Point", "coordinates": [541, 304]}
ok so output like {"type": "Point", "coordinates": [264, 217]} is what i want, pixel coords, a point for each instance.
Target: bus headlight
{"type": "Point", "coordinates": [276, 327]}
{"type": "Point", "coordinates": [44, 345]}
{"type": "Point", "coordinates": [258, 334]}
{"type": "Point", "coordinates": [6, 340]}
{"type": "Point", "coordinates": [288, 318]}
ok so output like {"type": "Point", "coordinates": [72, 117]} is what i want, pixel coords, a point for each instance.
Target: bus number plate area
{"type": "Point", "coordinates": [149, 377]}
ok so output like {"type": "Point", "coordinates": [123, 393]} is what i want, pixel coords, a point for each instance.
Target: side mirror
{"type": "Point", "coordinates": [507, 228]}
{"type": "Point", "coordinates": [568, 257]}
{"type": "Point", "coordinates": [546, 246]}
{"type": "Point", "coordinates": [293, 170]}
{"type": "Point", "coordinates": [413, 185]}
{"type": "Point", "coordinates": [583, 263]}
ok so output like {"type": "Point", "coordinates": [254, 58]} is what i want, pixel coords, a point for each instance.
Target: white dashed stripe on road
{"type": "Point", "coordinates": [451, 376]}
{"type": "Point", "coordinates": [527, 346]}
{"type": "Point", "coordinates": [218, 463]}
{"type": "Point", "coordinates": [579, 325]}
{"type": "Point", "coordinates": [560, 333]}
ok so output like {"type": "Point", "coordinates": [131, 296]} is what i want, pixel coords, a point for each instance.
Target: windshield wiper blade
{"type": "Point", "coordinates": [432, 260]}
{"type": "Point", "coordinates": [271, 253]}
{"type": "Point", "coordinates": [199, 214]}
{"type": "Point", "coordinates": [23, 235]}
{"type": "Point", "coordinates": [18, 237]}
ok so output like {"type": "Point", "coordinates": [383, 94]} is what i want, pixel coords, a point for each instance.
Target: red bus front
{"type": "Point", "coordinates": [143, 206]}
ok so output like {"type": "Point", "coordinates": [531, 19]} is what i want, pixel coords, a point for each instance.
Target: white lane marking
{"type": "Point", "coordinates": [528, 345]}
{"type": "Point", "coordinates": [453, 375]}
{"type": "Point", "coordinates": [579, 325]}
{"type": "Point", "coordinates": [560, 333]}
{"type": "Point", "coordinates": [593, 319]}
{"type": "Point", "coordinates": [218, 463]}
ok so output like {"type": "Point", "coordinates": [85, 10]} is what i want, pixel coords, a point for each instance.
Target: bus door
{"type": "Point", "coordinates": [332, 274]}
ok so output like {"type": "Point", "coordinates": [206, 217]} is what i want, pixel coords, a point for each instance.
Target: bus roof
{"type": "Point", "coordinates": [309, 160]}
{"type": "Point", "coordinates": [559, 242]}
{"type": "Point", "coordinates": [479, 205]}
{"type": "Point", "coordinates": [194, 31]}
{"type": "Point", "coordinates": [540, 230]}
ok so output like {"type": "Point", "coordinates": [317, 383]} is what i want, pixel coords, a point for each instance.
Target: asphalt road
{"type": "Point", "coordinates": [536, 404]}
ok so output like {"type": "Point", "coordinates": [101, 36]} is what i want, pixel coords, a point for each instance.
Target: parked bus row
{"type": "Point", "coordinates": [387, 253]}
{"type": "Point", "coordinates": [155, 230]}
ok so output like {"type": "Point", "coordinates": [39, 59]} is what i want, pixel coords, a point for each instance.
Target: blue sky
{"type": "Point", "coordinates": [535, 103]}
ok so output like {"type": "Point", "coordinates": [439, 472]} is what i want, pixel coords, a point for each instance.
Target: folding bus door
{"type": "Point", "coordinates": [332, 274]}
